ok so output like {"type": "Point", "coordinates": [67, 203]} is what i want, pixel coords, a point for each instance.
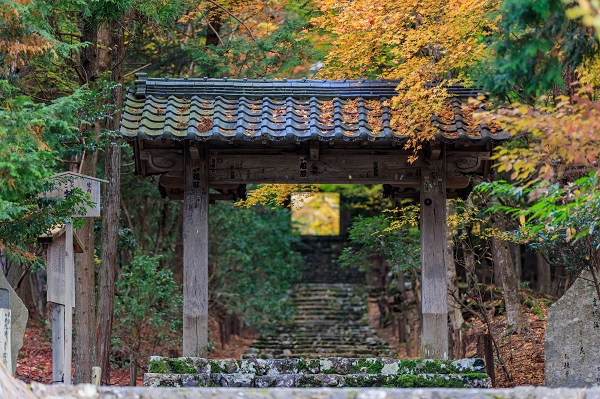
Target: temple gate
{"type": "Point", "coordinates": [221, 134]}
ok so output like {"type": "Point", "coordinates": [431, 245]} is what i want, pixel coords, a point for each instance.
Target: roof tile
{"type": "Point", "coordinates": [294, 110]}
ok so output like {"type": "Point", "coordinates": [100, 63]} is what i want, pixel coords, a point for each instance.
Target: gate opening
{"type": "Point", "coordinates": [316, 213]}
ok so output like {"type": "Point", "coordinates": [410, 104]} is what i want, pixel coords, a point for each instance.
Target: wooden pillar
{"type": "Point", "coordinates": [69, 302]}
{"type": "Point", "coordinates": [58, 343]}
{"type": "Point", "coordinates": [434, 344]}
{"type": "Point", "coordinates": [195, 250]}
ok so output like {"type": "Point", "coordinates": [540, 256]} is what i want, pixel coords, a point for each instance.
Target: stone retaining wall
{"type": "Point", "coordinates": [92, 392]}
{"type": "Point", "coordinates": [313, 373]}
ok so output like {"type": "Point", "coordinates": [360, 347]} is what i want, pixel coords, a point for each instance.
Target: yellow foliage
{"type": "Point", "coordinates": [587, 10]}
{"type": "Point", "coordinates": [426, 43]}
{"type": "Point", "coordinates": [274, 194]}
{"type": "Point", "coordinates": [560, 139]}
{"type": "Point", "coordinates": [316, 213]}
{"type": "Point", "coordinates": [17, 43]}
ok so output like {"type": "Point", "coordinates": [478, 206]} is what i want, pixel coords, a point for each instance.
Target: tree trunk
{"type": "Point", "coordinates": [543, 275]}
{"type": "Point", "coordinates": [454, 310]}
{"type": "Point", "coordinates": [132, 369]}
{"type": "Point", "coordinates": [85, 290]}
{"type": "Point", "coordinates": [93, 60]}
{"type": "Point", "coordinates": [110, 221]}
{"type": "Point", "coordinates": [213, 27]}
{"type": "Point", "coordinates": [515, 251]}
{"type": "Point", "coordinates": [469, 259]}
{"type": "Point", "coordinates": [510, 282]}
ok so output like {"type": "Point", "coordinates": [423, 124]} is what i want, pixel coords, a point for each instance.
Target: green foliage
{"type": "Point", "coordinates": [358, 199]}
{"type": "Point", "coordinates": [148, 305]}
{"type": "Point", "coordinates": [252, 262]}
{"type": "Point", "coordinates": [534, 45]}
{"type": "Point", "coordinates": [239, 57]}
{"type": "Point", "coordinates": [34, 139]}
{"type": "Point", "coordinates": [561, 220]}
{"type": "Point", "coordinates": [158, 11]}
{"type": "Point", "coordinates": [394, 236]}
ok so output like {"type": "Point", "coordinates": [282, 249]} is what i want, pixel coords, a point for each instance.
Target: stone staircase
{"type": "Point", "coordinates": [315, 373]}
{"type": "Point", "coordinates": [330, 321]}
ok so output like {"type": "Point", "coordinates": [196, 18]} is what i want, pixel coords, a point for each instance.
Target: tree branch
{"type": "Point", "coordinates": [211, 27]}
{"type": "Point", "coordinates": [234, 17]}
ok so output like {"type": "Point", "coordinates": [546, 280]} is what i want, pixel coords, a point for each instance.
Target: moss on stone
{"type": "Point", "coordinates": [215, 368]}
{"type": "Point", "coordinates": [181, 366]}
{"type": "Point", "coordinates": [301, 366]}
{"type": "Point", "coordinates": [430, 366]}
{"type": "Point", "coordinates": [475, 375]}
{"type": "Point", "coordinates": [408, 366]}
{"type": "Point", "coordinates": [370, 366]}
{"type": "Point", "coordinates": [158, 366]}
{"type": "Point", "coordinates": [310, 366]}
{"type": "Point", "coordinates": [309, 381]}
{"type": "Point", "coordinates": [419, 381]}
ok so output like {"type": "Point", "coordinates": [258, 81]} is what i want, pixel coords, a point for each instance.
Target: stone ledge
{"type": "Point", "coordinates": [91, 392]}
{"type": "Point", "coordinates": [247, 380]}
{"type": "Point", "coordinates": [331, 365]}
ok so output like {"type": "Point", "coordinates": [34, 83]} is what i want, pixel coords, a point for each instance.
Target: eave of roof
{"type": "Point", "coordinates": [278, 110]}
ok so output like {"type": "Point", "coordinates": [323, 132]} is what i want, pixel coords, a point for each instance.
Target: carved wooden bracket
{"type": "Point", "coordinates": [163, 160]}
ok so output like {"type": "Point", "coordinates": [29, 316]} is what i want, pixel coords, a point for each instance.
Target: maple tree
{"type": "Point", "coordinates": [428, 44]}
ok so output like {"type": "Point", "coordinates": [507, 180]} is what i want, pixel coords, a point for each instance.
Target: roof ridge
{"type": "Point", "coordinates": [276, 88]}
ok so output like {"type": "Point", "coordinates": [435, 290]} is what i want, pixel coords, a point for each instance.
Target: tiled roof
{"type": "Point", "coordinates": [277, 110]}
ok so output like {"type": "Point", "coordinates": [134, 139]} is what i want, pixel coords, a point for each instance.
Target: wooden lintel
{"type": "Point", "coordinates": [332, 167]}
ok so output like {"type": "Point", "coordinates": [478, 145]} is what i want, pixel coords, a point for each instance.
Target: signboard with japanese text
{"type": "Point", "coordinates": [68, 181]}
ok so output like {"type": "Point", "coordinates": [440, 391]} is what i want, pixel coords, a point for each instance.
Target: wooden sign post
{"type": "Point", "coordinates": [60, 267]}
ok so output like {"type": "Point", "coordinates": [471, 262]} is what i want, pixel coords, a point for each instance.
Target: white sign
{"type": "Point", "coordinates": [5, 350]}
{"type": "Point", "coordinates": [68, 181]}
{"type": "Point", "coordinates": [55, 268]}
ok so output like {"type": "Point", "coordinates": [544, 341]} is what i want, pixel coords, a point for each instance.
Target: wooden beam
{"type": "Point", "coordinates": [434, 342]}
{"type": "Point", "coordinates": [331, 167]}
{"type": "Point", "coordinates": [314, 165]}
{"type": "Point", "coordinates": [195, 251]}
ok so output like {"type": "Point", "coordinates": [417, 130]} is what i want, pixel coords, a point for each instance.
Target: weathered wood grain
{"type": "Point", "coordinates": [433, 268]}
{"type": "Point", "coordinates": [58, 342]}
{"type": "Point", "coordinates": [69, 302]}
{"type": "Point", "coordinates": [330, 167]}
{"type": "Point", "coordinates": [195, 251]}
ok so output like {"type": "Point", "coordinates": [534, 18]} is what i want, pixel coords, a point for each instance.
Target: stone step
{"type": "Point", "coordinates": [317, 339]}
{"type": "Point", "coordinates": [333, 312]}
{"type": "Point", "coordinates": [248, 380]}
{"type": "Point", "coordinates": [327, 287]}
{"type": "Point", "coordinates": [283, 354]}
{"type": "Point", "coordinates": [323, 365]}
{"type": "Point", "coordinates": [329, 349]}
{"type": "Point", "coordinates": [324, 308]}
{"type": "Point", "coordinates": [330, 319]}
